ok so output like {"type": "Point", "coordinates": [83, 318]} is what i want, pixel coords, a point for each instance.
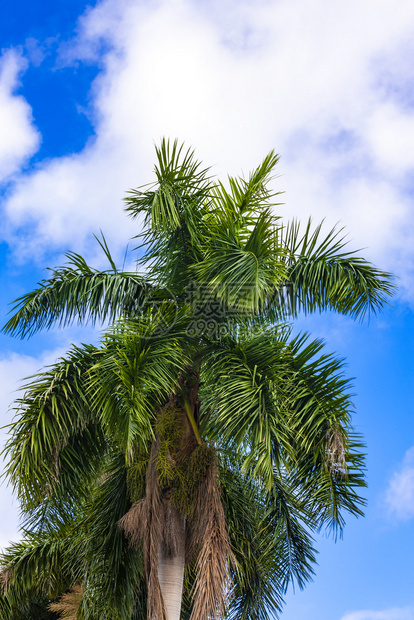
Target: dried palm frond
{"type": "Point", "coordinates": [67, 606]}
{"type": "Point", "coordinates": [213, 583]}
{"type": "Point", "coordinates": [5, 576]}
{"type": "Point", "coordinates": [143, 523]}
{"type": "Point", "coordinates": [336, 459]}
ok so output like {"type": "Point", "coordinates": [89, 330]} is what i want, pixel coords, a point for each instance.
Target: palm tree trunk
{"type": "Point", "coordinates": [171, 570]}
{"type": "Point", "coordinates": [171, 551]}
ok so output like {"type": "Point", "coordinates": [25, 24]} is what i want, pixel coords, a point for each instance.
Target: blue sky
{"type": "Point", "coordinates": [86, 90]}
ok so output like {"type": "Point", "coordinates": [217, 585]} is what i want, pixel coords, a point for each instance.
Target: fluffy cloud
{"type": "Point", "coordinates": [236, 80]}
{"type": "Point", "coordinates": [399, 496]}
{"type": "Point", "coordinates": [401, 613]}
{"type": "Point", "coordinates": [19, 138]}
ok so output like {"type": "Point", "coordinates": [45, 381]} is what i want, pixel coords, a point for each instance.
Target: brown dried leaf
{"type": "Point", "coordinates": [68, 604]}
{"type": "Point", "coordinates": [213, 584]}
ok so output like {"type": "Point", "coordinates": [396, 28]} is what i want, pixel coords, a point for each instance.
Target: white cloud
{"type": "Point", "coordinates": [399, 496]}
{"type": "Point", "coordinates": [396, 613]}
{"type": "Point", "coordinates": [234, 80]}
{"type": "Point", "coordinates": [19, 138]}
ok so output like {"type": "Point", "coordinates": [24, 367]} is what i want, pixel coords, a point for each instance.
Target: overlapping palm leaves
{"type": "Point", "coordinates": [268, 527]}
{"type": "Point", "coordinates": [222, 274]}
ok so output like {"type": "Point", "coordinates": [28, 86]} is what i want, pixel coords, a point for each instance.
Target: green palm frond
{"type": "Point", "coordinates": [276, 546]}
{"type": "Point", "coordinates": [247, 395]}
{"type": "Point", "coordinates": [241, 272]}
{"type": "Point", "coordinates": [37, 565]}
{"type": "Point", "coordinates": [33, 607]}
{"type": "Point", "coordinates": [76, 292]}
{"type": "Point", "coordinates": [113, 571]}
{"type": "Point", "coordinates": [242, 258]}
{"type": "Point", "coordinates": [257, 593]}
{"type": "Point", "coordinates": [180, 179]}
{"type": "Point", "coordinates": [173, 209]}
{"type": "Point", "coordinates": [332, 487]}
{"type": "Point", "coordinates": [200, 337]}
{"type": "Point", "coordinates": [84, 546]}
{"type": "Point", "coordinates": [139, 368]}
{"type": "Point", "coordinates": [245, 200]}
{"type": "Point", "coordinates": [284, 404]}
{"type": "Point", "coordinates": [329, 456]}
{"type": "Point", "coordinates": [323, 274]}
{"type": "Point", "coordinates": [289, 517]}
{"type": "Point", "coordinates": [56, 436]}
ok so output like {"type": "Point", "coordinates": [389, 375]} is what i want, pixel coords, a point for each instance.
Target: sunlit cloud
{"type": "Point", "coordinates": [399, 497]}
{"type": "Point", "coordinates": [235, 80]}
{"type": "Point", "coordinates": [19, 138]}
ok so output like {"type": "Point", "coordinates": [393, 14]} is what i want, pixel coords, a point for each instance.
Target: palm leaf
{"type": "Point", "coordinates": [282, 402]}
{"type": "Point", "coordinates": [77, 292]}
{"type": "Point", "coordinates": [138, 370]}
{"type": "Point", "coordinates": [323, 274]}
{"type": "Point", "coordinates": [56, 435]}
{"type": "Point", "coordinates": [275, 409]}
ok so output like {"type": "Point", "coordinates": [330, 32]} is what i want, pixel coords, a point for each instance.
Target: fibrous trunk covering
{"type": "Point", "coordinates": [213, 582]}
{"type": "Point", "coordinates": [182, 509]}
{"type": "Point", "coordinates": [143, 523]}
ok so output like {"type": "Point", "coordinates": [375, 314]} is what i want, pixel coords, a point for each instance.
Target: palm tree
{"type": "Point", "coordinates": [179, 468]}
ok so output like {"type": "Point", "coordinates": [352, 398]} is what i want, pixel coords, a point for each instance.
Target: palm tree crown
{"type": "Point", "coordinates": [179, 468]}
